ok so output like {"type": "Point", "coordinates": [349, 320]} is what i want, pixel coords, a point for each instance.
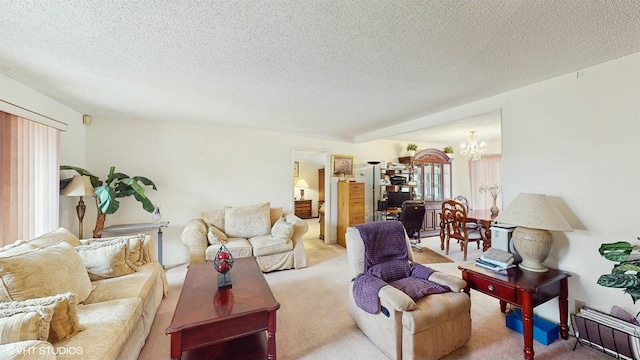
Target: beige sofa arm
{"type": "Point", "coordinates": [454, 283]}
{"type": "Point", "coordinates": [194, 236]}
{"type": "Point", "coordinates": [395, 299]}
{"type": "Point", "coordinates": [300, 227]}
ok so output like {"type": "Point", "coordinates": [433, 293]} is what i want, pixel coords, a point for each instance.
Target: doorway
{"type": "Point", "coordinates": [308, 164]}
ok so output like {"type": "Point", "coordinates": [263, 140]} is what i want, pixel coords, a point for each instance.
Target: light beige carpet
{"type": "Point", "coordinates": [313, 322]}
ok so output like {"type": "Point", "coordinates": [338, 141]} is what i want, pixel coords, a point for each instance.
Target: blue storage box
{"type": "Point", "coordinates": [544, 331]}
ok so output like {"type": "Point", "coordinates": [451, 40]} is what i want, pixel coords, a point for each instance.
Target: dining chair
{"type": "Point", "coordinates": [454, 219]}
{"type": "Point", "coordinates": [463, 200]}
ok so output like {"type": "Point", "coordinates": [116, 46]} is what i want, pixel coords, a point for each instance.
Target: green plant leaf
{"type": "Point", "coordinates": [618, 251]}
{"type": "Point", "coordinates": [107, 199]}
{"type": "Point", "coordinates": [627, 266]}
{"type": "Point", "coordinates": [619, 280]}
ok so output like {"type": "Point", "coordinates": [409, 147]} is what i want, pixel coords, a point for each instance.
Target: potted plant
{"type": "Point", "coordinates": [116, 186]}
{"type": "Point", "coordinates": [449, 151]}
{"type": "Point", "coordinates": [411, 149]}
{"type": "Point", "coordinates": [625, 274]}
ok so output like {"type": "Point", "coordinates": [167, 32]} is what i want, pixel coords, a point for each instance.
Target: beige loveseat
{"type": "Point", "coordinates": [62, 298]}
{"type": "Point", "coordinates": [272, 236]}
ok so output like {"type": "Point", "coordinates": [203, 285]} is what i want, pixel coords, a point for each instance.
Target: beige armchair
{"type": "Point", "coordinates": [429, 328]}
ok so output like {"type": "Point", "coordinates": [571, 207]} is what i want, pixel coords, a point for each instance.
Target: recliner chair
{"type": "Point", "coordinates": [429, 328]}
{"type": "Point", "coordinates": [412, 217]}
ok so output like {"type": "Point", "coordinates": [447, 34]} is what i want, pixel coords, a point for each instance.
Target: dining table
{"type": "Point", "coordinates": [484, 218]}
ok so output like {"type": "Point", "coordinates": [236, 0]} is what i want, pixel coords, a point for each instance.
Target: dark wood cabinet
{"type": "Point", "coordinates": [303, 209]}
{"type": "Point", "coordinates": [431, 171]}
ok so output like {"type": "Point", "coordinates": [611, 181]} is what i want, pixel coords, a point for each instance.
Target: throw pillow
{"type": "Point", "coordinates": [282, 229]}
{"type": "Point", "coordinates": [215, 236]}
{"type": "Point", "coordinates": [54, 237]}
{"type": "Point", "coordinates": [106, 259]}
{"type": "Point", "coordinates": [25, 324]}
{"type": "Point", "coordinates": [64, 320]}
{"type": "Point", "coordinates": [47, 271]}
{"type": "Point", "coordinates": [134, 243]}
{"type": "Point", "coordinates": [215, 218]}
{"type": "Point", "coordinates": [247, 221]}
{"type": "Point", "coordinates": [16, 248]}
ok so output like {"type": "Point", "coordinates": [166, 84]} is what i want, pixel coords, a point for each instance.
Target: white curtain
{"type": "Point", "coordinates": [485, 171]}
{"type": "Point", "coordinates": [29, 178]}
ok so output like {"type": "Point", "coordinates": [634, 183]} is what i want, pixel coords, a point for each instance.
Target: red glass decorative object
{"type": "Point", "coordinates": [223, 262]}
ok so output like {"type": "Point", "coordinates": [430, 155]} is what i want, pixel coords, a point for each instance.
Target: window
{"type": "Point", "coordinates": [29, 178]}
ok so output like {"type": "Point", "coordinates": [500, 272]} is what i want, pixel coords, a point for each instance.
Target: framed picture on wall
{"type": "Point", "coordinates": [296, 169]}
{"type": "Point", "coordinates": [342, 164]}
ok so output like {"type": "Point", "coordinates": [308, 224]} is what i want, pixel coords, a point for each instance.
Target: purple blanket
{"type": "Point", "coordinates": [386, 261]}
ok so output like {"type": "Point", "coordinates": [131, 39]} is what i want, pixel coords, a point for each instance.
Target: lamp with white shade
{"type": "Point", "coordinates": [80, 186]}
{"type": "Point", "coordinates": [301, 184]}
{"type": "Point", "coordinates": [534, 215]}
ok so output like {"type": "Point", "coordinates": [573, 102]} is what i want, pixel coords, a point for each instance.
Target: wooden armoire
{"type": "Point", "coordinates": [431, 170]}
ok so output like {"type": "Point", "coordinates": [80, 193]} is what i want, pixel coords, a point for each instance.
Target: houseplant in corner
{"type": "Point", "coordinates": [116, 185]}
{"type": "Point", "coordinates": [411, 149]}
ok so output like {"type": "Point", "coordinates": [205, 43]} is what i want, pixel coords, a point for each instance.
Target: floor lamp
{"type": "Point", "coordinates": [373, 188]}
{"type": "Point", "coordinates": [79, 186]}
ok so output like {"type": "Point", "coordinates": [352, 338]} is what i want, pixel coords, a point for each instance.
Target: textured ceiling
{"type": "Point", "coordinates": [332, 68]}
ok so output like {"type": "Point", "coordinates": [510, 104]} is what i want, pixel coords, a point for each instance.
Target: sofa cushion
{"type": "Point", "coordinates": [24, 324]}
{"type": "Point", "coordinates": [54, 237]}
{"type": "Point", "coordinates": [137, 285]}
{"type": "Point", "coordinates": [106, 259]}
{"type": "Point", "coordinates": [268, 245]}
{"type": "Point", "coordinates": [238, 247]}
{"type": "Point", "coordinates": [275, 213]}
{"type": "Point", "coordinates": [247, 221]}
{"type": "Point", "coordinates": [215, 236]}
{"type": "Point", "coordinates": [64, 322]}
{"type": "Point", "coordinates": [108, 326]}
{"type": "Point", "coordinates": [46, 271]}
{"type": "Point", "coordinates": [215, 218]}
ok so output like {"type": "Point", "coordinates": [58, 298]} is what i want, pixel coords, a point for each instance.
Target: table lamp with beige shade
{"type": "Point", "coordinates": [80, 186]}
{"type": "Point", "coordinates": [301, 184]}
{"type": "Point", "coordinates": [534, 215]}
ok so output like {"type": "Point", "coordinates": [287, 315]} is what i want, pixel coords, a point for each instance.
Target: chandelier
{"type": "Point", "coordinates": [473, 149]}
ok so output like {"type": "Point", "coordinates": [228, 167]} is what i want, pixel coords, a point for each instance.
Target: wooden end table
{"type": "Point", "coordinates": [226, 323]}
{"type": "Point", "coordinates": [524, 289]}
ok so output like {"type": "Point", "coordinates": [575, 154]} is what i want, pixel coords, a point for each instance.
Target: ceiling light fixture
{"type": "Point", "coordinates": [473, 149]}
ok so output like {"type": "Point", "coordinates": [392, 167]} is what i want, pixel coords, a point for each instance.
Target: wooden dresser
{"type": "Point", "coordinates": [350, 207]}
{"type": "Point", "coordinates": [303, 209]}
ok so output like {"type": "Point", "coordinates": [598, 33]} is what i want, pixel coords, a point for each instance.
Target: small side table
{"type": "Point", "coordinates": [136, 228]}
{"type": "Point", "coordinates": [303, 209]}
{"type": "Point", "coordinates": [524, 289]}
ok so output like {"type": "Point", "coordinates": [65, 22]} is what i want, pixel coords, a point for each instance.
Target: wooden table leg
{"type": "Point", "coordinates": [176, 345]}
{"type": "Point", "coordinates": [271, 335]}
{"type": "Point", "coordinates": [563, 303]}
{"type": "Point", "coordinates": [527, 324]}
{"type": "Point", "coordinates": [486, 244]}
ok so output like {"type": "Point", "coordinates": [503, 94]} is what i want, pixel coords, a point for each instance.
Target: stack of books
{"type": "Point", "coordinates": [495, 259]}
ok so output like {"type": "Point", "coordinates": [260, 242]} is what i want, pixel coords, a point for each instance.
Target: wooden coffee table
{"type": "Point", "coordinates": [212, 323]}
